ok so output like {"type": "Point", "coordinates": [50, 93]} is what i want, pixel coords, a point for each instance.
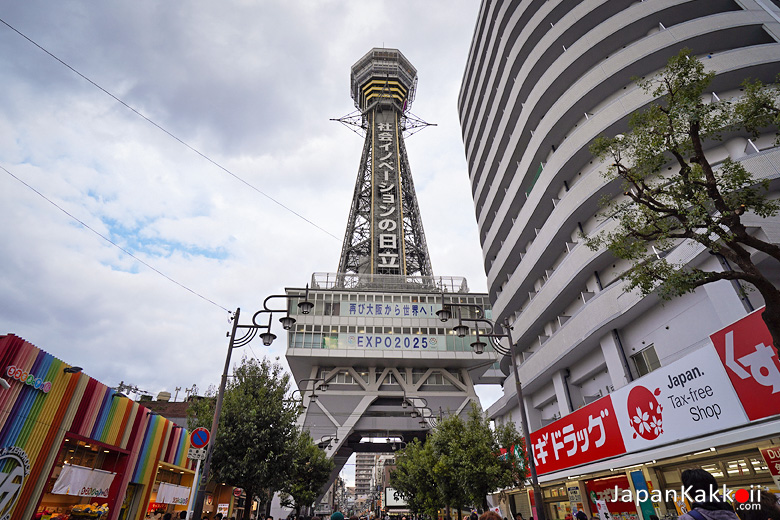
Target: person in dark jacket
{"type": "Point", "coordinates": [581, 515]}
{"type": "Point", "coordinates": [768, 508]}
{"type": "Point", "coordinates": [712, 507]}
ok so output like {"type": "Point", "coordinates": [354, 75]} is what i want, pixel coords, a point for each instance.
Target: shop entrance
{"type": "Point", "coordinates": [604, 489]}
{"type": "Point", "coordinates": [83, 474]}
{"type": "Point", "coordinates": [556, 500]}
{"type": "Point", "coordinates": [130, 504]}
{"type": "Point", "coordinates": [735, 470]}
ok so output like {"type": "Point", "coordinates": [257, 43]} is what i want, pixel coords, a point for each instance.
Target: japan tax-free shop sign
{"type": "Point", "coordinates": [728, 383]}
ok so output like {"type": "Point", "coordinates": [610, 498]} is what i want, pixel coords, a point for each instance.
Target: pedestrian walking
{"type": "Point", "coordinates": [714, 507]}
{"type": "Point", "coordinates": [768, 508]}
{"type": "Point", "coordinates": [489, 515]}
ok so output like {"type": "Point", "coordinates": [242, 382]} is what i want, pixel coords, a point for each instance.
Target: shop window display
{"type": "Point", "coordinates": [175, 485]}
{"type": "Point", "coordinates": [78, 486]}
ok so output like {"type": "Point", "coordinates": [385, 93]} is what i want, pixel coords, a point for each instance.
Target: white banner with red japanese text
{"type": "Point", "coordinates": [80, 481]}
{"type": "Point", "coordinates": [688, 398]}
{"type": "Point", "coordinates": [172, 494]}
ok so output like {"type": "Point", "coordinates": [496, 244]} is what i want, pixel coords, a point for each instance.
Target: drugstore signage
{"type": "Point", "coordinates": [15, 467]}
{"type": "Point", "coordinates": [588, 434]}
{"type": "Point", "coordinates": [746, 351]}
{"type": "Point", "coordinates": [687, 398]}
{"type": "Point", "coordinates": [690, 397]}
{"type": "Point", "coordinates": [605, 488]}
{"type": "Point", "coordinates": [25, 377]}
{"type": "Point", "coordinates": [772, 459]}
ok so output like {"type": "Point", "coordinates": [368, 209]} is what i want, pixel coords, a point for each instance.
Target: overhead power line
{"type": "Point", "coordinates": [167, 132]}
{"type": "Point", "coordinates": [114, 243]}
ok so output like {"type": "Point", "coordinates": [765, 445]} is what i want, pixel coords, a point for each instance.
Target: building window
{"type": "Point", "coordinates": [436, 378]}
{"type": "Point", "coordinates": [646, 360]}
{"type": "Point", "coordinates": [389, 379]}
{"type": "Point", "coordinates": [332, 309]}
{"type": "Point", "coordinates": [344, 378]}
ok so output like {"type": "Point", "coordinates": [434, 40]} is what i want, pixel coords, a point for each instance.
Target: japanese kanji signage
{"type": "Point", "coordinates": [387, 211]}
{"type": "Point", "coordinates": [751, 362]}
{"type": "Point", "coordinates": [691, 397]}
{"type": "Point", "coordinates": [389, 309]}
{"type": "Point", "coordinates": [588, 434]}
{"type": "Point", "coordinates": [604, 489]}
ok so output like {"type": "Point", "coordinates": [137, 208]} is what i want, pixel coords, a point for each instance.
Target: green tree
{"type": "Point", "coordinates": [460, 464]}
{"type": "Point", "coordinates": [469, 465]}
{"type": "Point", "coordinates": [697, 200]}
{"type": "Point", "coordinates": [413, 480]}
{"type": "Point", "coordinates": [310, 472]}
{"type": "Point", "coordinates": [255, 444]}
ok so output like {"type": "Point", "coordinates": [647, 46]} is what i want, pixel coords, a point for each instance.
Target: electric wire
{"type": "Point", "coordinates": [164, 130]}
{"type": "Point", "coordinates": [87, 226]}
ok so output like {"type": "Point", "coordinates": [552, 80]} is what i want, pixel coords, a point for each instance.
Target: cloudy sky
{"type": "Point", "coordinates": [249, 85]}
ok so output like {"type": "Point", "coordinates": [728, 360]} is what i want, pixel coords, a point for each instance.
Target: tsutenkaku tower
{"type": "Point", "coordinates": [374, 364]}
{"type": "Point", "coordinates": [384, 232]}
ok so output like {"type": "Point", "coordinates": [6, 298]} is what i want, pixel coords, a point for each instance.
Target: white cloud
{"type": "Point", "coordinates": [252, 85]}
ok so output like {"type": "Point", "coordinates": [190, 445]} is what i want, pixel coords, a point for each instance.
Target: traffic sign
{"type": "Point", "coordinates": [197, 453]}
{"type": "Point", "coordinates": [238, 492]}
{"type": "Point", "coordinates": [199, 437]}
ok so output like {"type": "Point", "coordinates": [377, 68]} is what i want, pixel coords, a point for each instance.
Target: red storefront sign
{"type": "Point", "coordinates": [772, 458]}
{"type": "Point", "coordinates": [745, 349]}
{"type": "Point", "coordinates": [604, 489]}
{"type": "Point", "coordinates": [687, 398]}
{"type": "Point", "coordinates": [586, 435]}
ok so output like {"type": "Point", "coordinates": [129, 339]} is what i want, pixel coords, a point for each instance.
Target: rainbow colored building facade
{"type": "Point", "coordinates": [61, 433]}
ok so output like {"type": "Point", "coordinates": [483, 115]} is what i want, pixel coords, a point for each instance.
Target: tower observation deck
{"type": "Point", "coordinates": [391, 367]}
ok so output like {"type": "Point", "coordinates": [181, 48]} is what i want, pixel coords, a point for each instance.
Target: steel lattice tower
{"type": "Point", "coordinates": [372, 360]}
{"type": "Point", "coordinates": [384, 232]}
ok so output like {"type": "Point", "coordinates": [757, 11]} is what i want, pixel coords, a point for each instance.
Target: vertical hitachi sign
{"type": "Point", "coordinates": [387, 212]}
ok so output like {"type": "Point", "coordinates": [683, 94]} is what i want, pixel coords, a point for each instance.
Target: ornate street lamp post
{"type": "Point", "coordinates": [248, 333]}
{"type": "Point", "coordinates": [462, 330]}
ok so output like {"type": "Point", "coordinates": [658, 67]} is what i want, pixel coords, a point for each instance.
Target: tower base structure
{"type": "Point", "coordinates": [376, 367]}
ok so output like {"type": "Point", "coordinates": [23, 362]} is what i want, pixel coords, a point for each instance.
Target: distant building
{"type": "Point", "coordinates": [174, 412]}
{"type": "Point", "coordinates": [365, 464]}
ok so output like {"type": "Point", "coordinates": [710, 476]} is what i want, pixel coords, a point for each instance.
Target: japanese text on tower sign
{"type": "Point", "coordinates": [386, 208]}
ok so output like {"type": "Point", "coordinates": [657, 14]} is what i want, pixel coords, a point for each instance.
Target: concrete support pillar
{"type": "Point", "coordinates": [614, 358]}
{"type": "Point", "coordinates": [534, 415]}
{"type": "Point", "coordinates": [561, 394]}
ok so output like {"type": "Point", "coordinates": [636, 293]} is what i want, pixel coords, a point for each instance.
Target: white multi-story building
{"type": "Point", "coordinates": [365, 464]}
{"type": "Point", "coordinates": [543, 79]}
